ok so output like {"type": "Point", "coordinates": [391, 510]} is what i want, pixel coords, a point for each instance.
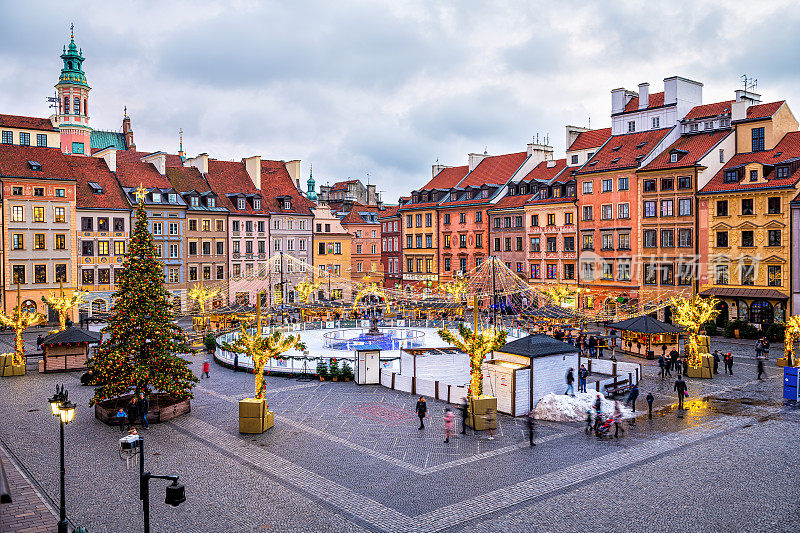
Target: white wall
{"type": "Point", "coordinates": [711, 160]}
{"type": "Point", "coordinates": [549, 374]}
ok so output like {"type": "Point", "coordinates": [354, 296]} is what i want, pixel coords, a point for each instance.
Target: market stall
{"type": "Point", "coordinates": [644, 336]}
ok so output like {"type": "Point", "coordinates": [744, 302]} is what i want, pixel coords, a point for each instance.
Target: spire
{"type": "Point", "coordinates": [180, 151]}
{"type": "Point", "coordinates": [312, 194]}
{"type": "Point", "coordinates": [72, 71]}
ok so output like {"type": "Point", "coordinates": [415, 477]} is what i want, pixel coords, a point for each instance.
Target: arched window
{"type": "Point", "coordinates": [66, 105]}
{"type": "Point", "coordinates": [29, 306]}
{"type": "Point", "coordinates": [98, 306]}
{"type": "Point", "coordinates": [69, 65]}
{"type": "Point", "coordinates": [77, 106]}
{"type": "Point", "coordinates": [761, 312]}
{"type": "Point", "coordinates": [85, 107]}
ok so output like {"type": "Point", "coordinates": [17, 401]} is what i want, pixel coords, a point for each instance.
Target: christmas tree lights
{"type": "Point", "coordinates": [476, 345]}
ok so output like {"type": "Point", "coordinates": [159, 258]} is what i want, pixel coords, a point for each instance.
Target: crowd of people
{"type": "Point", "coordinates": [136, 408]}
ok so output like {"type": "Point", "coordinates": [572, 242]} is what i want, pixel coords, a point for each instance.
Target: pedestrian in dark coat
{"type": "Point", "coordinates": [464, 416]}
{"type": "Point", "coordinates": [758, 348]}
{"type": "Point", "coordinates": [650, 405]}
{"type": "Point", "coordinates": [144, 406]}
{"type": "Point", "coordinates": [133, 410]}
{"type": "Point", "coordinates": [730, 363]}
{"type": "Point", "coordinates": [760, 368]}
{"type": "Point", "coordinates": [632, 396]}
{"type": "Point", "coordinates": [680, 388]}
{"type": "Point", "coordinates": [685, 365]}
{"type": "Point", "coordinates": [661, 364]}
{"type": "Point", "coordinates": [422, 410]}
{"type": "Point", "coordinates": [570, 379]}
{"type": "Point", "coordinates": [673, 357]}
{"type": "Point", "coordinates": [582, 375]}
{"type": "Point", "coordinates": [716, 361]}
{"type": "Point", "coordinates": [235, 362]}
{"type": "Point", "coordinates": [531, 428]}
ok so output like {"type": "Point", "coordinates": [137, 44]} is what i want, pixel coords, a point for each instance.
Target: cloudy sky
{"type": "Point", "coordinates": [384, 88]}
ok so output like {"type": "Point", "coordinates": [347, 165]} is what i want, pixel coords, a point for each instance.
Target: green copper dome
{"type": "Point", "coordinates": [72, 72]}
{"type": "Point", "coordinates": [312, 194]}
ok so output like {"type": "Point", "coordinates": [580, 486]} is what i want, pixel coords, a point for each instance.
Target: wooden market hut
{"type": "Point", "coordinates": [640, 334]}
{"type": "Point", "coordinates": [67, 350]}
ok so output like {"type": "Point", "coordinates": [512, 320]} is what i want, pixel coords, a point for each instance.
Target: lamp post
{"type": "Point", "coordinates": [64, 409]}
{"type": "Point", "coordinates": [176, 494]}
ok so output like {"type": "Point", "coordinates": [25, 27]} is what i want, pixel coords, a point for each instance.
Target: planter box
{"type": "Point", "coordinates": [252, 408]}
{"type": "Point", "coordinates": [478, 410]}
{"type": "Point", "coordinates": [705, 370]}
{"type": "Point", "coordinates": [163, 407]}
{"type": "Point", "coordinates": [254, 426]}
{"type": "Point", "coordinates": [13, 370]}
{"type": "Point", "coordinates": [782, 361]}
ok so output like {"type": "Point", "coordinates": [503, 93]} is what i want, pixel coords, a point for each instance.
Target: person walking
{"type": "Point", "coordinates": [632, 395]}
{"type": "Point", "coordinates": [448, 423]}
{"type": "Point", "coordinates": [598, 410]}
{"type": "Point", "coordinates": [531, 428]}
{"type": "Point", "coordinates": [592, 346]}
{"type": "Point", "coordinates": [765, 348]}
{"type": "Point", "coordinates": [235, 361]}
{"type": "Point", "coordinates": [716, 361]}
{"type": "Point", "coordinates": [650, 405]}
{"type": "Point", "coordinates": [760, 362]}
{"type": "Point", "coordinates": [758, 348]}
{"type": "Point", "coordinates": [582, 375]}
{"type": "Point", "coordinates": [422, 410]}
{"type": "Point", "coordinates": [570, 380]}
{"type": "Point", "coordinates": [661, 367]}
{"type": "Point", "coordinates": [133, 410]}
{"type": "Point", "coordinates": [685, 363]}
{"type": "Point", "coordinates": [464, 416]}
{"type": "Point", "coordinates": [618, 419]}
{"type": "Point", "coordinates": [206, 369]}
{"type": "Point", "coordinates": [681, 389]}
{"type": "Point", "coordinates": [673, 357]}
{"type": "Point", "coordinates": [730, 363]}
{"type": "Point", "coordinates": [144, 406]}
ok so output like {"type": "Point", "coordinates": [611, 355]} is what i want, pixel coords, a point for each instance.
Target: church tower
{"type": "Point", "coordinates": [312, 194]}
{"type": "Point", "coordinates": [73, 101]}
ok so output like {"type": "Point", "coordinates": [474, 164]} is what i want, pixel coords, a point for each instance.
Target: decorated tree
{"type": "Point", "coordinates": [19, 320]}
{"type": "Point", "coordinates": [201, 295]}
{"type": "Point", "coordinates": [692, 313]}
{"type": "Point", "coordinates": [305, 289]}
{"type": "Point", "coordinates": [476, 345]}
{"type": "Point", "coordinates": [791, 335]}
{"type": "Point", "coordinates": [141, 354]}
{"type": "Point", "coordinates": [261, 349]}
{"type": "Point", "coordinates": [63, 304]}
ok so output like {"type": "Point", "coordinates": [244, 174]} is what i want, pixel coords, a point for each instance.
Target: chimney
{"type": "Point", "coordinates": [110, 156]}
{"type": "Point", "coordinates": [677, 89]}
{"type": "Point", "coordinates": [293, 168]}
{"type": "Point", "coordinates": [744, 99]}
{"type": "Point", "coordinates": [159, 160]}
{"type": "Point", "coordinates": [253, 167]}
{"type": "Point", "coordinates": [618, 100]}
{"type": "Point", "coordinates": [436, 168]}
{"type": "Point", "coordinates": [475, 160]}
{"type": "Point", "coordinates": [200, 163]}
{"type": "Point", "coordinates": [572, 134]}
{"type": "Point", "coordinates": [127, 130]}
{"type": "Point", "coordinates": [644, 95]}
{"type": "Point", "coordinates": [540, 152]}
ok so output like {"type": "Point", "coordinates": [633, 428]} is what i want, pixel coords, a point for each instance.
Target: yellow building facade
{"type": "Point", "coordinates": [332, 257]}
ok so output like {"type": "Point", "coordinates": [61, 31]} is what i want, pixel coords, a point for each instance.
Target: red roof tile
{"type": "Point", "coordinates": [447, 178]}
{"type": "Point", "coordinates": [14, 162]}
{"type": "Point", "coordinates": [29, 123]}
{"type": "Point", "coordinates": [655, 100]}
{"type": "Point", "coordinates": [94, 169]}
{"type": "Point", "coordinates": [624, 151]}
{"type": "Point", "coordinates": [494, 170]}
{"type": "Point", "coordinates": [276, 182]}
{"type": "Point", "coordinates": [709, 110]}
{"type": "Point", "coordinates": [590, 139]}
{"type": "Point", "coordinates": [508, 202]}
{"type": "Point", "coordinates": [389, 212]}
{"type": "Point", "coordinates": [353, 218]}
{"type": "Point", "coordinates": [763, 110]}
{"type": "Point", "coordinates": [185, 179]}
{"type": "Point", "coordinates": [342, 185]}
{"type": "Point", "coordinates": [145, 174]}
{"type": "Point", "coordinates": [787, 148]}
{"type": "Point", "coordinates": [231, 177]}
{"type": "Point", "coordinates": [561, 200]}
{"type": "Point", "coordinates": [543, 172]}
{"type": "Point", "coordinates": [696, 147]}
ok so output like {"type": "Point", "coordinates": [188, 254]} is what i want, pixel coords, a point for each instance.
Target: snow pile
{"type": "Point", "coordinates": [565, 408]}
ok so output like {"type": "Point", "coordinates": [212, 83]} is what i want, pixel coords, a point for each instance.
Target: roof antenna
{"type": "Point", "coordinates": [590, 121]}
{"type": "Point", "coordinates": [486, 150]}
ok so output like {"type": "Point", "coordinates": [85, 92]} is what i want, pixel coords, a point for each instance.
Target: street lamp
{"type": "Point", "coordinates": [64, 409]}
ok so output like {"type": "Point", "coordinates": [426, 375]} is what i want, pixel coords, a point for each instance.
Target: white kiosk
{"type": "Point", "coordinates": [368, 365]}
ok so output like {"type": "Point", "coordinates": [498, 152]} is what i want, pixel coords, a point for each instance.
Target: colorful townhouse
{"type": "Point", "coordinates": [746, 243]}
{"type": "Point", "coordinates": [103, 229]}
{"type": "Point", "coordinates": [391, 255]}
{"type": "Point", "coordinates": [39, 252]}
{"type": "Point", "coordinates": [420, 229]}
{"type": "Point", "coordinates": [332, 256]}
{"type": "Point", "coordinates": [361, 221]}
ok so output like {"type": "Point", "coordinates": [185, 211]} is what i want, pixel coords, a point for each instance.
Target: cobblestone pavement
{"type": "Point", "coordinates": [28, 511]}
{"type": "Point", "coordinates": [343, 457]}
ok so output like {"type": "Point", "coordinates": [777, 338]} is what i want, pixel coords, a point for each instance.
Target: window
{"type": "Point", "coordinates": [587, 212]}
{"type": "Point", "coordinates": [608, 271]}
{"type": "Point", "coordinates": [747, 239]}
{"type": "Point", "coordinates": [667, 274]}
{"type": "Point", "coordinates": [631, 126]}
{"type": "Point", "coordinates": [119, 247]}
{"type": "Point", "coordinates": [534, 220]}
{"type": "Point", "coordinates": [774, 237]}
{"type": "Point", "coordinates": [722, 275]}
{"type": "Point", "coordinates": [758, 139]}
{"type": "Point", "coordinates": [774, 205]}
{"type": "Point", "coordinates": [60, 241]}
{"type": "Point", "coordinates": [77, 148]}
{"type": "Point", "coordinates": [173, 228]}
{"type": "Point", "coordinates": [17, 214]}
{"type": "Point", "coordinates": [667, 184]}
{"type": "Point", "coordinates": [685, 273]}
{"type": "Point", "coordinates": [409, 241]}
{"type": "Point", "coordinates": [220, 272]}
{"type": "Point", "coordinates": [418, 241]}
{"type": "Point", "coordinates": [623, 211]}
{"type": "Point", "coordinates": [235, 225]}
{"type": "Point", "coordinates": [667, 238]}
{"type": "Point", "coordinates": [684, 182]}
{"type": "Point", "coordinates": [237, 245]}
{"type": "Point", "coordinates": [508, 244]}
{"type": "Point", "coordinates": [568, 219]}
{"type": "Point", "coordinates": [722, 208]}
{"type": "Point", "coordinates": [60, 214]}
{"type": "Point", "coordinates": [731, 176]}
{"type": "Point", "coordinates": [16, 191]}
{"type": "Point", "coordinates": [650, 209]}
{"type": "Point", "coordinates": [587, 271]}
{"type": "Point", "coordinates": [607, 185]}
{"type": "Point", "coordinates": [622, 184]}
{"type": "Point", "coordinates": [574, 159]}
{"type": "Point", "coordinates": [173, 251]}
{"type": "Point", "coordinates": [536, 271]}
{"type": "Point", "coordinates": [569, 271]}
{"type": "Point", "coordinates": [479, 240]}
{"type": "Point", "coordinates": [684, 207]}
{"type": "Point", "coordinates": [747, 271]}
{"type": "Point", "coordinates": [506, 222]}
{"type": "Point", "coordinates": [722, 239]}
{"type": "Point", "coordinates": [649, 238]}
{"type": "Point", "coordinates": [587, 187]}
{"type": "Point", "coordinates": [192, 224]}
{"type": "Point", "coordinates": [666, 208]}
{"type": "Point", "coordinates": [721, 155]}
{"type": "Point", "coordinates": [587, 242]}
{"type": "Point", "coordinates": [24, 139]}
{"type": "Point", "coordinates": [102, 247]}
{"type": "Point", "coordinates": [61, 272]}
{"type": "Point", "coordinates": [419, 220]}
{"type": "Point", "coordinates": [649, 274]}
{"type": "Point", "coordinates": [774, 278]}
{"type": "Point", "coordinates": [172, 274]}
{"type": "Point", "coordinates": [656, 122]}
{"type": "Point", "coordinates": [569, 244]}
{"type": "Point", "coordinates": [782, 172]}
{"type": "Point", "coordinates": [38, 214]}
{"type": "Point", "coordinates": [649, 185]}
{"type": "Point", "coordinates": [462, 241]}
{"type": "Point", "coordinates": [18, 241]}
{"type": "Point", "coordinates": [8, 137]}
{"type": "Point", "coordinates": [410, 224]}
{"type": "Point", "coordinates": [519, 244]}
{"type": "Point", "coordinates": [87, 276]}
{"type": "Point", "coordinates": [624, 241]}
{"type": "Point", "coordinates": [534, 244]}
{"type": "Point", "coordinates": [551, 244]}
{"type": "Point", "coordinates": [18, 274]}
{"type": "Point", "coordinates": [624, 270]}
{"type": "Point", "coordinates": [673, 157]}
{"type": "Point", "coordinates": [192, 273]}
{"type": "Point", "coordinates": [207, 247]}
{"type": "Point", "coordinates": [607, 212]}
{"type": "Point", "coordinates": [607, 241]}
{"type": "Point", "coordinates": [747, 206]}
{"type": "Point", "coordinates": [428, 220]}
{"type": "Point", "coordinates": [551, 219]}
{"type": "Point", "coordinates": [684, 237]}
{"type": "Point", "coordinates": [38, 241]}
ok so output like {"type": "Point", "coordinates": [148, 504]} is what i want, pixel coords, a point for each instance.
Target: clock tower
{"type": "Point", "coordinates": [72, 119]}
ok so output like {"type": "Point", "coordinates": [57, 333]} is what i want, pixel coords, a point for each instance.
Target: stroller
{"type": "Point", "coordinates": [604, 427]}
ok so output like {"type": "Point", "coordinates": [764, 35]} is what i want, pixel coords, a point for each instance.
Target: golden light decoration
{"type": "Point", "coordinates": [476, 345]}
{"type": "Point", "coordinates": [19, 321]}
{"type": "Point", "coordinates": [791, 335]}
{"type": "Point", "coordinates": [456, 288]}
{"type": "Point", "coordinates": [140, 193]}
{"type": "Point", "coordinates": [201, 295]}
{"type": "Point", "coordinates": [559, 294]}
{"type": "Point", "coordinates": [305, 289]}
{"type": "Point", "coordinates": [63, 304]}
{"type": "Point", "coordinates": [692, 313]}
{"type": "Point", "coordinates": [370, 289]}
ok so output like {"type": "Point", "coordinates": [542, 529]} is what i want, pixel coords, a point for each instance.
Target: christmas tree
{"type": "Point", "coordinates": [140, 354]}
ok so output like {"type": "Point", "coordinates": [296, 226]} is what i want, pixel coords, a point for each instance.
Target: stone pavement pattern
{"type": "Point", "coordinates": [348, 458]}
{"type": "Point", "coordinates": [28, 512]}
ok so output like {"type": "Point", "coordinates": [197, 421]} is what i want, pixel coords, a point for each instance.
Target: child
{"type": "Point", "coordinates": [122, 418]}
{"type": "Point", "coordinates": [448, 423]}
{"type": "Point", "coordinates": [206, 368]}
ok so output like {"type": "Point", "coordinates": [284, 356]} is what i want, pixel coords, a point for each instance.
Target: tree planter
{"type": "Point", "coordinates": [163, 407]}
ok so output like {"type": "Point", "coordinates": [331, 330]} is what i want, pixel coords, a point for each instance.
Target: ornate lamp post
{"type": "Point", "coordinates": [64, 409]}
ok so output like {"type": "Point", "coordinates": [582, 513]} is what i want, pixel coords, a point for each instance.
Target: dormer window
{"type": "Point", "coordinates": [287, 203]}
{"type": "Point", "coordinates": [452, 196]}
{"type": "Point", "coordinates": [522, 189]}
{"type": "Point", "coordinates": [485, 193]}
{"type": "Point", "coordinates": [782, 172]}
{"type": "Point", "coordinates": [211, 201]}
{"type": "Point", "coordinates": [194, 201]}
{"type": "Point", "coordinates": [96, 188]}
{"type": "Point", "coordinates": [731, 176]}
{"type": "Point", "coordinates": [615, 160]}
{"type": "Point", "coordinates": [433, 197]}
{"type": "Point", "coordinates": [35, 165]}
{"type": "Point", "coordinates": [156, 197]}
{"type": "Point", "coordinates": [673, 157]}
{"type": "Point", "coordinates": [616, 148]}
{"type": "Point", "coordinates": [593, 163]}
{"type": "Point", "coordinates": [256, 203]}
{"type": "Point", "coordinates": [641, 145]}
{"type": "Point", "coordinates": [173, 198]}
{"type": "Point", "coordinates": [240, 204]}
